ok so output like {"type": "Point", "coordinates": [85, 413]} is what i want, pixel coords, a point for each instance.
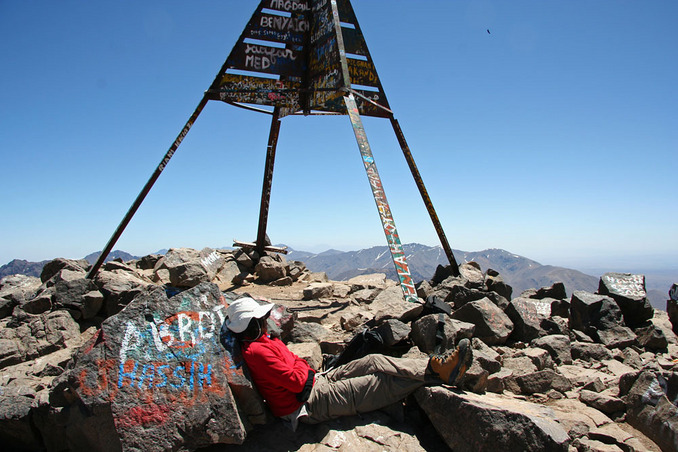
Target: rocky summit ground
{"type": "Point", "coordinates": [132, 359]}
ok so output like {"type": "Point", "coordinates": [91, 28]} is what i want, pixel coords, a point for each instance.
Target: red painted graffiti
{"type": "Point", "coordinates": [143, 415]}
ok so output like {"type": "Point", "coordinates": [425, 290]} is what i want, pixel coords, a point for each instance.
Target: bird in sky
{"type": "Point", "coordinates": [488, 31]}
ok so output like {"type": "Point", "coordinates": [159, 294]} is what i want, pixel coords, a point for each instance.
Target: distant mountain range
{"type": "Point", "coordinates": [519, 272]}
{"type": "Point", "coordinates": [116, 254]}
{"type": "Point", "coordinates": [22, 267]}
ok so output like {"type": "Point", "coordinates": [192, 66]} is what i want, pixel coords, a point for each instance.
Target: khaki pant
{"type": "Point", "coordinates": [363, 385]}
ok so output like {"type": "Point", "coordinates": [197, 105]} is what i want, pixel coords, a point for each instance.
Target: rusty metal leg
{"type": "Point", "coordinates": [424, 195]}
{"type": "Point", "coordinates": [268, 179]}
{"type": "Point", "coordinates": [392, 237]}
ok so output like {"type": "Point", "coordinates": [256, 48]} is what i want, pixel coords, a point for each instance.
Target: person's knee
{"type": "Point", "coordinates": [376, 362]}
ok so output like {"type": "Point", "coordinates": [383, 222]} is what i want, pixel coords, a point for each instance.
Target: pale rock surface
{"type": "Point", "coordinates": [470, 422]}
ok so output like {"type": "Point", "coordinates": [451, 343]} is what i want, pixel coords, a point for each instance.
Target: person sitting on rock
{"type": "Point", "coordinates": [296, 392]}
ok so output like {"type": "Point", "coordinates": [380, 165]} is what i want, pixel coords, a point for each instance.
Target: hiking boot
{"type": "Point", "coordinates": [451, 368]}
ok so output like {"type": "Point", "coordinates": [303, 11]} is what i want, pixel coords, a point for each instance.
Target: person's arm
{"type": "Point", "coordinates": [280, 366]}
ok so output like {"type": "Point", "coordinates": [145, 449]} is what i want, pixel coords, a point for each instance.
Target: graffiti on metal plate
{"type": "Point", "coordinates": [304, 39]}
{"type": "Point", "coordinates": [236, 88]}
{"type": "Point", "coordinates": [289, 5]}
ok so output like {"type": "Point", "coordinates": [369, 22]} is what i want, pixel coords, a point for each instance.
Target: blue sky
{"type": "Point", "coordinates": [554, 136]}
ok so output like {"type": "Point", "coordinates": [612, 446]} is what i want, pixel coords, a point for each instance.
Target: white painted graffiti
{"type": "Point", "coordinates": [184, 330]}
{"type": "Point", "coordinates": [288, 5]}
{"type": "Point", "coordinates": [263, 57]}
{"type": "Point", "coordinates": [209, 260]}
{"type": "Point", "coordinates": [272, 52]}
{"type": "Point", "coordinates": [282, 23]}
{"type": "Point", "coordinates": [628, 285]}
{"type": "Point", "coordinates": [543, 308]}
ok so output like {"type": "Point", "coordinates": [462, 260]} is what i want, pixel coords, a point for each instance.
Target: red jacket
{"type": "Point", "coordinates": [278, 373]}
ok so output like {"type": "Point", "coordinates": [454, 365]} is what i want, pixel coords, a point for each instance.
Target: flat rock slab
{"type": "Point", "coordinates": [470, 422]}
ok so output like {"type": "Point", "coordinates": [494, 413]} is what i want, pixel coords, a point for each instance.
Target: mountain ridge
{"type": "Point", "coordinates": [520, 272]}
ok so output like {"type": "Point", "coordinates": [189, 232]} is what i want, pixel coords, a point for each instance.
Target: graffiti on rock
{"type": "Point", "coordinates": [173, 358]}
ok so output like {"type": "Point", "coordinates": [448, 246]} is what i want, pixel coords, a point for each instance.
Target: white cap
{"type": "Point", "coordinates": [241, 311]}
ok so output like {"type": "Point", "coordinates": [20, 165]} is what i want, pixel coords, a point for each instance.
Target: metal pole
{"type": "Point", "coordinates": [268, 179]}
{"type": "Point", "coordinates": [140, 198]}
{"type": "Point", "coordinates": [424, 195]}
{"type": "Point", "coordinates": [387, 222]}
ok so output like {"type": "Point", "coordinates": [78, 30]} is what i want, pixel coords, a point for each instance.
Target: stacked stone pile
{"type": "Point", "coordinates": [132, 359]}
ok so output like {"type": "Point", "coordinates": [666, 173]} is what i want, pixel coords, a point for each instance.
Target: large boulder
{"type": "Point", "coordinates": [80, 297]}
{"type": "Point", "coordinates": [629, 292]}
{"type": "Point", "coordinates": [557, 345]}
{"type": "Point", "coordinates": [391, 304]}
{"type": "Point", "coordinates": [308, 332]}
{"type": "Point", "coordinates": [591, 352]}
{"type": "Point", "coordinates": [24, 337]}
{"type": "Point", "coordinates": [458, 295]}
{"type": "Point", "coordinates": [65, 274]}
{"type": "Point", "coordinates": [599, 317]}
{"type": "Point", "coordinates": [119, 288]}
{"type": "Point", "coordinates": [602, 402]}
{"type": "Point", "coordinates": [651, 337]}
{"type": "Point", "coordinates": [186, 267]}
{"type": "Point", "coordinates": [271, 268]}
{"type": "Point", "coordinates": [442, 290]}
{"type": "Point", "coordinates": [495, 283]}
{"type": "Point", "coordinates": [15, 290]}
{"type": "Point", "coordinates": [527, 315]}
{"type": "Point", "coordinates": [672, 307]}
{"type": "Point", "coordinates": [662, 322]}
{"type": "Point", "coordinates": [156, 377]}
{"type": "Point", "coordinates": [227, 274]}
{"type": "Point", "coordinates": [53, 267]}
{"type": "Point", "coordinates": [617, 337]}
{"type": "Point", "coordinates": [542, 381]}
{"type": "Point", "coordinates": [393, 331]}
{"type": "Point", "coordinates": [556, 291]}
{"type": "Point", "coordinates": [590, 312]}
{"type": "Point", "coordinates": [369, 281]}
{"type": "Point", "coordinates": [441, 273]}
{"type": "Point", "coordinates": [473, 275]}
{"type": "Point", "coordinates": [318, 290]}
{"type": "Point", "coordinates": [492, 326]}
{"type": "Point", "coordinates": [16, 430]}
{"type": "Point", "coordinates": [471, 422]}
{"type": "Point", "coordinates": [651, 407]}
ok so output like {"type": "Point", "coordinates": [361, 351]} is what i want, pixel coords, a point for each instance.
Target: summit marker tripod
{"type": "Point", "coordinates": [305, 57]}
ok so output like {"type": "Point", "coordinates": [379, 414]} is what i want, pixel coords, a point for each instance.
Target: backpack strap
{"type": "Point", "coordinates": [440, 334]}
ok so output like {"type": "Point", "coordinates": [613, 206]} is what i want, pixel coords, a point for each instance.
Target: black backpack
{"type": "Point", "coordinates": [370, 341]}
{"type": "Point", "coordinates": [365, 342]}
